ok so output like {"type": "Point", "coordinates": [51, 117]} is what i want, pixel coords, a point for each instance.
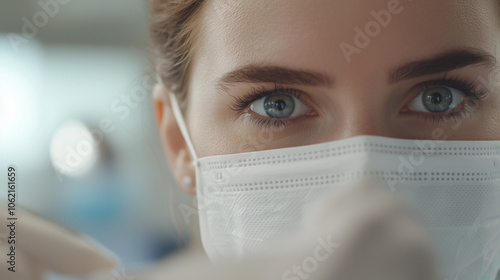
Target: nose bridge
{"type": "Point", "coordinates": [362, 124]}
{"type": "Point", "coordinates": [363, 113]}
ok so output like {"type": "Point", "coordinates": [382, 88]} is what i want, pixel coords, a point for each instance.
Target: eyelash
{"type": "Point", "coordinates": [466, 86]}
{"type": "Point", "coordinates": [258, 93]}
{"type": "Point", "coordinates": [255, 94]}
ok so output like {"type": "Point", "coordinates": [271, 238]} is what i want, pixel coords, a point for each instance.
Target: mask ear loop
{"type": "Point", "coordinates": [182, 126]}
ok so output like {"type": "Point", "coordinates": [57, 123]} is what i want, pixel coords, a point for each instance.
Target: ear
{"type": "Point", "coordinates": [173, 142]}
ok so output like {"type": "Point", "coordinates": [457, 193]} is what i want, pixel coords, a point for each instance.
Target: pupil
{"type": "Point", "coordinates": [436, 98]}
{"type": "Point", "coordinates": [280, 104]}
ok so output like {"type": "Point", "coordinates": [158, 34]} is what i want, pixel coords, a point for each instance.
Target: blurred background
{"type": "Point", "coordinates": [76, 119]}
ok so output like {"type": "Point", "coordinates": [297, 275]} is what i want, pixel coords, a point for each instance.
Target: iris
{"type": "Point", "coordinates": [437, 99]}
{"type": "Point", "coordinates": [279, 105]}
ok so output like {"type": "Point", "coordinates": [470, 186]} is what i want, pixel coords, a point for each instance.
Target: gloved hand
{"type": "Point", "coordinates": [42, 245]}
{"type": "Point", "coordinates": [379, 236]}
{"type": "Point", "coordinates": [361, 232]}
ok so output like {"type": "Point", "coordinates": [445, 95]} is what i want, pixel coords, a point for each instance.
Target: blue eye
{"type": "Point", "coordinates": [279, 105]}
{"type": "Point", "coordinates": [437, 99]}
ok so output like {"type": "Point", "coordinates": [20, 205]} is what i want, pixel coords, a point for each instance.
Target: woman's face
{"type": "Point", "coordinates": [421, 69]}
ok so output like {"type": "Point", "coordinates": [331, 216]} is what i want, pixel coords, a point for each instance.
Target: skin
{"type": "Point", "coordinates": [305, 35]}
{"type": "Point", "coordinates": [380, 238]}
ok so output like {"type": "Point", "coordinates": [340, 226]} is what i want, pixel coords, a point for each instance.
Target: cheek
{"type": "Point", "coordinates": [491, 113]}
{"type": "Point", "coordinates": [481, 126]}
{"type": "Point", "coordinates": [492, 132]}
{"type": "Point", "coordinates": [207, 135]}
{"type": "Point", "coordinates": [211, 130]}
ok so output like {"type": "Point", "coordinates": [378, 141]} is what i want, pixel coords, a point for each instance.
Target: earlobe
{"type": "Point", "coordinates": [173, 142]}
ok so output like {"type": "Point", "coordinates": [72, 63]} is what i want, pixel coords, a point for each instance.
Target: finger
{"type": "Point", "coordinates": [379, 235]}
{"type": "Point", "coordinates": [18, 266]}
{"type": "Point", "coordinates": [354, 201]}
{"type": "Point", "coordinates": [58, 248]}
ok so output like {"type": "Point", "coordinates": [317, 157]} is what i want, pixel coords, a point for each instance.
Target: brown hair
{"type": "Point", "coordinates": [173, 33]}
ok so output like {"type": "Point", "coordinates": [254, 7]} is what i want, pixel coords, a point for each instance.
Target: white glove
{"type": "Point", "coordinates": [42, 245]}
{"type": "Point", "coordinates": [380, 237]}
{"type": "Point", "coordinates": [361, 233]}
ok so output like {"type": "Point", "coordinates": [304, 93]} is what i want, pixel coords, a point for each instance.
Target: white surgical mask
{"type": "Point", "coordinates": [247, 199]}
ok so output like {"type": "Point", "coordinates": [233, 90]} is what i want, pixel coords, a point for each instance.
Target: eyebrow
{"type": "Point", "coordinates": [275, 74]}
{"type": "Point", "coordinates": [443, 62]}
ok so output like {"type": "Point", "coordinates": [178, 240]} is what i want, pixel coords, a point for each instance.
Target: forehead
{"type": "Point", "coordinates": [342, 38]}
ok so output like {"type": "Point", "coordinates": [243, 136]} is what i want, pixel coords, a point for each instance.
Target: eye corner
{"type": "Point", "coordinates": [311, 112]}
{"type": "Point", "coordinates": [406, 109]}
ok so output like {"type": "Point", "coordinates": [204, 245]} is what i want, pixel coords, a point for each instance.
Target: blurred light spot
{"type": "Point", "coordinates": [73, 150]}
